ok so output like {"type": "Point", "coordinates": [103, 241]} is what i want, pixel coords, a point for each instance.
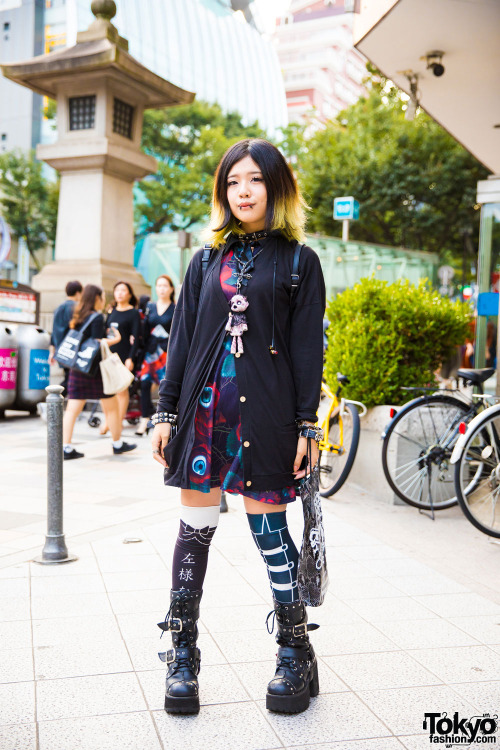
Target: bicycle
{"type": "Point", "coordinates": [338, 448]}
{"type": "Point", "coordinates": [476, 459]}
{"type": "Point", "coordinates": [419, 439]}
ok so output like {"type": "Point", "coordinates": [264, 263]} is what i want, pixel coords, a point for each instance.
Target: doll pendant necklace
{"type": "Point", "coordinates": [237, 322]}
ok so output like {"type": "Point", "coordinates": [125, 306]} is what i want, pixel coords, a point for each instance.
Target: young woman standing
{"type": "Point", "coordinates": [156, 331]}
{"type": "Point", "coordinates": [125, 318]}
{"type": "Point", "coordinates": [82, 388]}
{"type": "Point", "coordinates": [242, 386]}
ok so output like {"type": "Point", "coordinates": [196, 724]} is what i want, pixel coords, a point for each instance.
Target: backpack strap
{"type": "Point", "coordinates": [295, 269]}
{"type": "Point", "coordinates": [207, 250]}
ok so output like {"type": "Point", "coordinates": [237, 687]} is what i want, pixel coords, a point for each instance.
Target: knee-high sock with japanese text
{"type": "Point", "coordinates": [196, 529]}
{"type": "Point", "coordinates": [272, 537]}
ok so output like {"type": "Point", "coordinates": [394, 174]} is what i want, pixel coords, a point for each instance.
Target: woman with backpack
{"type": "Point", "coordinates": [237, 407]}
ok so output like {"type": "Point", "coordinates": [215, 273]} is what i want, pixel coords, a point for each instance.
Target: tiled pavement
{"type": "Point", "coordinates": [401, 634]}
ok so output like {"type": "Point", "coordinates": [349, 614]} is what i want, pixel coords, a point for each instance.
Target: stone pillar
{"type": "Point", "coordinates": [101, 93]}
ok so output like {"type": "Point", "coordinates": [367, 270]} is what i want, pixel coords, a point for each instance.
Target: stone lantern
{"type": "Point", "coordinates": [101, 93]}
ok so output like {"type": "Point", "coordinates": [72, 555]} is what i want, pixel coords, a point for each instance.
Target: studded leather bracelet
{"type": "Point", "coordinates": [309, 431]}
{"type": "Point", "coordinates": [162, 417]}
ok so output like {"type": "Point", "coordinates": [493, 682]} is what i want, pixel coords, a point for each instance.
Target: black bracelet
{"type": "Point", "coordinates": [162, 417]}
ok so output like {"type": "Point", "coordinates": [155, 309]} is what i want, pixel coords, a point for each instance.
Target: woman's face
{"type": "Point", "coordinates": [164, 289]}
{"type": "Point", "coordinates": [100, 301]}
{"type": "Point", "coordinates": [122, 294]}
{"type": "Point", "coordinates": [247, 194]}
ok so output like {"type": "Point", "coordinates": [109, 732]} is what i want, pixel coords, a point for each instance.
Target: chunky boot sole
{"type": "Point", "coordinates": [297, 702]}
{"type": "Point", "coordinates": [189, 705]}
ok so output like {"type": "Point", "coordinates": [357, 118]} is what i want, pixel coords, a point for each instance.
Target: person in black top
{"type": "Point", "coordinates": [156, 330]}
{"type": "Point", "coordinates": [127, 320]}
{"type": "Point", "coordinates": [60, 325]}
{"type": "Point", "coordinates": [89, 387]}
{"type": "Point", "coordinates": [242, 388]}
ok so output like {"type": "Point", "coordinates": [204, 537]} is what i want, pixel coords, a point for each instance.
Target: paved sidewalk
{"type": "Point", "coordinates": [411, 624]}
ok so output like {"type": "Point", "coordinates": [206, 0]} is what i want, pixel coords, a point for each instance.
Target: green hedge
{"type": "Point", "coordinates": [383, 336]}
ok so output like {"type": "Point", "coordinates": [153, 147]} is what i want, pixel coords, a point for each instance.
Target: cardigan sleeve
{"type": "Point", "coordinates": [181, 334]}
{"type": "Point", "coordinates": [306, 335]}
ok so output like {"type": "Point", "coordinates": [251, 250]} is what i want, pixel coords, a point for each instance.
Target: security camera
{"type": "Point", "coordinates": [437, 68]}
{"type": "Point", "coordinates": [434, 63]}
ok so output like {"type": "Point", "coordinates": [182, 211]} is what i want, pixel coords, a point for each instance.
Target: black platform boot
{"type": "Point", "coordinates": [296, 678]}
{"type": "Point", "coordinates": [183, 660]}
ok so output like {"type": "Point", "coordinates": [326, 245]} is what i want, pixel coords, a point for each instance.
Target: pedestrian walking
{"type": "Point", "coordinates": [155, 334]}
{"type": "Point", "coordinates": [242, 388]}
{"type": "Point", "coordinates": [124, 317]}
{"type": "Point", "coordinates": [60, 325]}
{"type": "Point", "coordinates": [81, 387]}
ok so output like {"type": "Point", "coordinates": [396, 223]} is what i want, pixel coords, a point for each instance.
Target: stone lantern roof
{"type": "Point", "coordinates": [100, 49]}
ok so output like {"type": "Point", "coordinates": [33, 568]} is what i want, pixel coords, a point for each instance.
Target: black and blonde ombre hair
{"type": "Point", "coordinates": [285, 205]}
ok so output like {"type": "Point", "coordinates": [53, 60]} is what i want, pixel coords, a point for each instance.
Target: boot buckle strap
{"type": "Point", "coordinates": [295, 630]}
{"type": "Point", "coordinates": [174, 624]}
{"type": "Point", "coordinates": [183, 653]}
{"type": "Point", "coordinates": [170, 656]}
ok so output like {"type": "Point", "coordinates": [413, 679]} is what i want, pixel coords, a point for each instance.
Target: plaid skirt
{"type": "Point", "coordinates": [87, 387]}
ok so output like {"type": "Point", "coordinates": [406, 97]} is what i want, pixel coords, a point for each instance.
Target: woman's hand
{"type": "Point", "coordinates": [161, 436]}
{"type": "Point", "coordinates": [129, 363]}
{"type": "Point", "coordinates": [116, 338]}
{"type": "Point", "coordinates": [301, 452]}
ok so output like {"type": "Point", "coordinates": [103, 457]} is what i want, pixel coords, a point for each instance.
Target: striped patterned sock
{"type": "Point", "coordinates": [272, 537]}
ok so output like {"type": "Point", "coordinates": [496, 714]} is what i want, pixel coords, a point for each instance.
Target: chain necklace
{"type": "Point", "coordinates": [237, 322]}
{"type": "Point", "coordinates": [243, 267]}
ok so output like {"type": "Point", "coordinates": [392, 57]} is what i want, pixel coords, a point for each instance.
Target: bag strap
{"type": "Point", "coordinates": [207, 251]}
{"type": "Point", "coordinates": [295, 269]}
{"type": "Point", "coordinates": [105, 350]}
{"type": "Point", "coordinates": [89, 320]}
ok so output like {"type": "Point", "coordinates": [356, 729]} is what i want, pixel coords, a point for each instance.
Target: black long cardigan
{"type": "Point", "coordinates": [274, 390]}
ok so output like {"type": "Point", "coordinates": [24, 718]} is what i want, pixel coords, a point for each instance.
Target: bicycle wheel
{"type": "Point", "coordinates": [417, 448]}
{"type": "Point", "coordinates": [477, 477]}
{"type": "Point", "coordinates": [334, 467]}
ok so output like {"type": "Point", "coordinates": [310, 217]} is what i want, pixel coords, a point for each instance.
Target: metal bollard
{"type": "Point", "coordinates": [223, 502]}
{"type": "Point", "coordinates": [54, 550]}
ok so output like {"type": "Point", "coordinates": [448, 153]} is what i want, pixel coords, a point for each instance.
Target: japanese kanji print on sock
{"type": "Point", "coordinates": [196, 529]}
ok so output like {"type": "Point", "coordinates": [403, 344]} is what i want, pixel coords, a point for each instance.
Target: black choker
{"type": "Point", "coordinates": [253, 236]}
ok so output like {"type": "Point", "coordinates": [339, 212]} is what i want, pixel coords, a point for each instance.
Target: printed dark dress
{"type": "Point", "coordinates": [216, 459]}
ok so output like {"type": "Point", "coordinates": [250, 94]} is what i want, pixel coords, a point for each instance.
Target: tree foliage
{"type": "Point", "coordinates": [28, 200]}
{"type": "Point", "coordinates": [188, 142]}
{"type": "Point", "coordinates": [384, 336]}
{"type": "Point", "coordinates": [416, 185]}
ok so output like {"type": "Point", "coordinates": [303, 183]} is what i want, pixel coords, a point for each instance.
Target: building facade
{"type": "Point", "coordinates": [21, 37]}
{"type": "Point", "coordinates": [322, 71]}
{"type": "Point", "coordinates": [204, 46]}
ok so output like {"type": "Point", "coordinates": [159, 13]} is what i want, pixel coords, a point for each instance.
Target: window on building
{"type": "Point", "coordinates": [6, 26]}
{"type": "Point", "coordinates": [81, 112]}
{"type": "Point", "coordinates": [4, 136]}
{"type": "Point", "coordinates": [123, 115]}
